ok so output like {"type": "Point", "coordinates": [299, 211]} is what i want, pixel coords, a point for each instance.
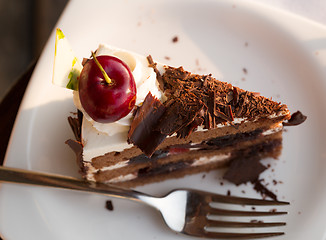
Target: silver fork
{"type": "Point", "coordinates": [183, 210]}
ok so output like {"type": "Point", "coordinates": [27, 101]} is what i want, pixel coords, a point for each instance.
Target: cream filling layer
{"type": "Point", "coordinates": [198, 162]}
{"type": "Point", "coordinates": [97, 144]}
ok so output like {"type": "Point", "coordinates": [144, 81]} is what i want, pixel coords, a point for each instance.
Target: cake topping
{"type": "Point", "coordinates": [107, 89]}
{"type": "Point", "coordinates": [296, 119]}
{"type": "Point", "coordinates": [194, 100]}
{"type": "Point", "coordinates": [143, 131]}
{"type": "Point", "coordinates": [220, 101]}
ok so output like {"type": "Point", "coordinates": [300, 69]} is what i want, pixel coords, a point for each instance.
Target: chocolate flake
{"type": "Point", "coordinates": [193, 100]}
{"type": "Point", "coordinates": [142, 132]}
{"type": "Point", "coordinates": [296, 119]}
{"type": "Point", "coordinates": [158, 74]}
{"type": "Point", "coordinates": [260, 188]}
{"type": "Point", "coordinates": [109, 205]}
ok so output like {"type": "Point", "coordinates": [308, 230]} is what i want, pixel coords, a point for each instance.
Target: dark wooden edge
{"type": "Point", "coordinates": [9, 107]}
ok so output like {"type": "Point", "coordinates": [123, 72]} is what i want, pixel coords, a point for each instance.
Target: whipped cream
{"type": "Point", "coordinates": [145, 79]}
{"type": "Point", "coordinates": [100, 138]}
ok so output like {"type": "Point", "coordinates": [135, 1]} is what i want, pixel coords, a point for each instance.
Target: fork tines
{"type": "Point", "coordinates": [213, 211]}
{"type": "Point", "coordinates": [244, 201]}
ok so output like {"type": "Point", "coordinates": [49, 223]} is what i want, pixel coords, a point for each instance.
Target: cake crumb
{"type": "Point", "coordinates": [109, 205]}
{"type": "Point", "coordinates": [175, 39]}
{"type": "Point", "coordinates": [167, 58]}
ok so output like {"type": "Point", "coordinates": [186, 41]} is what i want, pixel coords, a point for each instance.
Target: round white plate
{"type": "Point", "coordinates": [252, 46]}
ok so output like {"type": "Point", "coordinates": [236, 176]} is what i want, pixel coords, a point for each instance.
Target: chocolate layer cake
{"type": "Point", "coordinates": [182, 123]}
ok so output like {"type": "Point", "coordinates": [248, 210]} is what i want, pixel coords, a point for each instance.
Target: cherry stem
{"type": "Point", "coordinates": [105, 75]}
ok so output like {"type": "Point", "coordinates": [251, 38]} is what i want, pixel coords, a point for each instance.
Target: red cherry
{"type": "Point", "coordinates": [107, 102]}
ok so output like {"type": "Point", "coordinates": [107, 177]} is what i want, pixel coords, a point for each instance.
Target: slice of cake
{"type": "Point", "coordinates": [181, 123]}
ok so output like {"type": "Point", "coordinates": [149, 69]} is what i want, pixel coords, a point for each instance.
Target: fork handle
{"type": "Point", "coordinates": [14, 175]}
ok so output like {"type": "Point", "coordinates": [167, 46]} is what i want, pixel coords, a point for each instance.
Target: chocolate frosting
{"type": "Point", "coordinates": [192, 100]}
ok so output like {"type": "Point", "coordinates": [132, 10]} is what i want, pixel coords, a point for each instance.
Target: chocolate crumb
{"type": "Point", "coordinates": [245, 70]}
{"type": "Point", "coordinates": [253, 208]}
{"type": "Point", "coordinates": [175, 39]}
{"type": "Point", "coordinates": [246, 44]}
{"type": "Point", "coordinates": [260, 188]}
{"type": "Point", "coordinates": [228, 193]}
{"type": "Point", "coordinates": [109, 205]}
{"type": "Point", "coordinates": [167, 58]}
{"type": "Point", "coordinates": [296, 119]}
{"type": "Point", "coordinates": [273, 210]}
{"type": "Point", "coordinates": [203, 176]}
{"type": "Point", "coordinates": [221, 183]}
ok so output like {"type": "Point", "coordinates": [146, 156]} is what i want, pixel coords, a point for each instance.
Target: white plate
{"type": "Point", "coordinates": [285, 58]}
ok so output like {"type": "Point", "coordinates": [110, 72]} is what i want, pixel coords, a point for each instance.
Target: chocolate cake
{"type": "Point", "coordinates": [182, 123]}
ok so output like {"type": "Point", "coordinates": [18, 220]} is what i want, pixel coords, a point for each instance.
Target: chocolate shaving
{"type": "Point", "coordinates": [230, 113]}
{"type": "Point", "coordinates": [235, 95]}
{"type": "Point", "coordinates": [142, 132]}
{"type": "Point", "coordinates": [158, 74]}
{"type": "Point", "coordinates": [296, 119]}
{"type": "Point", "coordinates": [193, 100]}
{"type": "Point", "coordinates": [260, 188]}
{"type": "Point", "coordinates": [75, 124]}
